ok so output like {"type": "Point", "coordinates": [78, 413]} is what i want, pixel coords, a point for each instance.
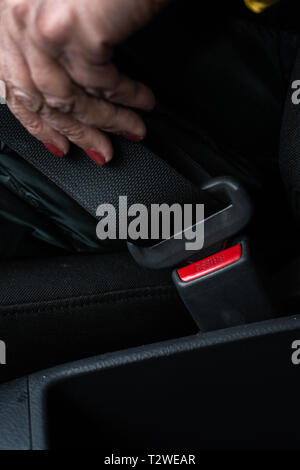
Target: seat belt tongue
{"type": "Point", "coordinates": [220, 226]}
{"type": "Point", "coordinates": [223, 290]}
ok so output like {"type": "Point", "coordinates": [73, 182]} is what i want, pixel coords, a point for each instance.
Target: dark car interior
{"type": "Point", "coordinates": [107, 345]}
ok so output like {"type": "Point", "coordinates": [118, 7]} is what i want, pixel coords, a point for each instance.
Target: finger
{"type": "Point", "coordinates": [60, 93]}
{"type": "Point", "coordinates": [51, 80]}
{"type": "Point", "coordinates": [105, 80]}
{"type": "Point", "coordinates": [24, 100]}
{"type": "Point", "coordinates": [94, 142]}
{"type": "Point", "coordinates": [108, 117]}
{"type": "Point", "coordinates": [132, 94]}
{"type": "Point", "coordinates": [17, 76]}
{"type": "Point", "coordinates": [89, 139]}
{"type": "Point", "coordinates": [53, 140]}
{"type": "Point", "coordinates": [87, 74]}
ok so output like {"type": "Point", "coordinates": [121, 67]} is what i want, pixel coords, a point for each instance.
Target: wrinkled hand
{"type": "Point", "coordinates": [56, 61]}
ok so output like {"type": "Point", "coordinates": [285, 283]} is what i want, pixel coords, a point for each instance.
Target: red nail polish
{"type": "Point", "coordinates": [96, 157]}
{"type": "Point", "coordinates": [54, 150]}
{"type": "Point", "coordinates": [134, 138]}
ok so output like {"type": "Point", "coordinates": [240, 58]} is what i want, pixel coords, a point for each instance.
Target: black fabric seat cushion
{"type": "Point", "coordinates": [65, 308]}
{"type": "Point", "coordinates": [58, 309]}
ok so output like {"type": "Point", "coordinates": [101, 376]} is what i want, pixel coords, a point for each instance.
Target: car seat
{"type": "Point", "coordinates": [221, 86]}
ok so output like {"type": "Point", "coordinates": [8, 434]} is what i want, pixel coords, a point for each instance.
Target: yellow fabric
{"type": "Point", "coordinates": [258, 6]}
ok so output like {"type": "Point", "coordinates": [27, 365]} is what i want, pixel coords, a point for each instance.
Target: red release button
{"type": "Point", "coordinates": [211, 264]}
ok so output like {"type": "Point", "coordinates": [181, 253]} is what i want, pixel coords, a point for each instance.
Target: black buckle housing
{"type": "Point", "coordinates": [229, 295]}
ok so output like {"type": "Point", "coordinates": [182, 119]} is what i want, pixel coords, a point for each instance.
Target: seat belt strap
{"type": "Point", "coordinates": [135, 172]}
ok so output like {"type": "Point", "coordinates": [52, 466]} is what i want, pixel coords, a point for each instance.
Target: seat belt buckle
{"type": "Point", "coordinates": [223, 290]}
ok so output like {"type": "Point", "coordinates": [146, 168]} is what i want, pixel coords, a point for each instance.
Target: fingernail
{"type": "Point", "coordinates": [54, 150]}
{"type": "Point", "coordinates": [133, 137]}
{"type": "Point", "coordinates": [96, 157]}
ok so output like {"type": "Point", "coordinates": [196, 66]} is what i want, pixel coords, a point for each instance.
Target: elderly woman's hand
{"type": "Point", "coordinates": [56, 61]}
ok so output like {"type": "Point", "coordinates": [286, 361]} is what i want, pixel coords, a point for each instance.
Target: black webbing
{"type": "Point", "coordinates": [134, 172]}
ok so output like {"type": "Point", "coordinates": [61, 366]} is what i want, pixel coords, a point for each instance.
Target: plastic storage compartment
{"type": "Point", "coordinates": [231, 389]}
